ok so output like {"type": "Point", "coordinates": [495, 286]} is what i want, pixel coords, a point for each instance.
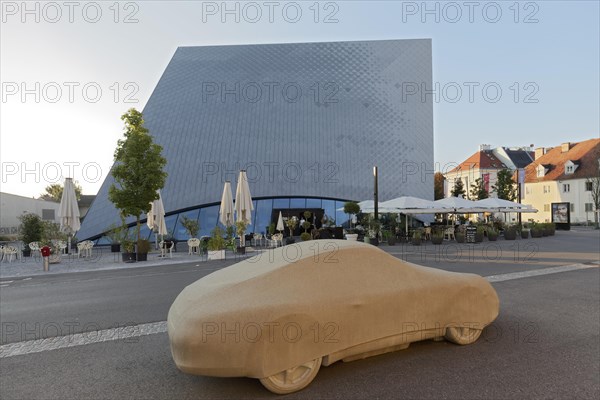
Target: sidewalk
{"type": "Point", "coordinates": [101, 259]}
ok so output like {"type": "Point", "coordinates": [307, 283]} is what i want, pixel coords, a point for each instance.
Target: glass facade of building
{"type": "Point", "coordinates": [262, 216]}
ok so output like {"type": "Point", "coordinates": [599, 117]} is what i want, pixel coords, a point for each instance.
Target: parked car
{"type": "Point", "coordinates": [283, 314]}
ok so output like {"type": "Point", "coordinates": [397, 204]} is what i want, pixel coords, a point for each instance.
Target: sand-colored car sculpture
{"type": "Point", "coordinates": [281, 315]}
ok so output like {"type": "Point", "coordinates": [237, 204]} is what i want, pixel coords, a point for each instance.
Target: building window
{"type": "Point", "coordinates": [589, 207]}
{"type": "Point", "coordinates": [546, 207]}
{"type": "Point", "coordinates": [566, 188]}
{"type": "Point", "coordinates": [546, 188]}
{"type": "Point", "coordinates": [569, 169]}
{"type": "Point", "coordinates": [47, 214]}
{"type": "Point", "coordinates": [572, 207]}
{"type": "Point", "coordinates": [588, 186]}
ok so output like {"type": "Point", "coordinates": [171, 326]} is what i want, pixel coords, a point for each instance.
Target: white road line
{"type": "Point", "coordinates": [128, 332]}
{"type": "Point", "coordinates": [538, 272]}
{"type": "Point", "coordinates": [81, 339]}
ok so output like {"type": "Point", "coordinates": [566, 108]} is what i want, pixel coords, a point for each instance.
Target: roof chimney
{"type": "Point", "coordinates": [484, 147]}
{"type": "Point", "coordinates": [565, 147]}
{"type": "Point", "coordinates": [540, 151]}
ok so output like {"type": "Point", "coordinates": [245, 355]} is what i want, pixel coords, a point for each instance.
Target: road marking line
{"type": "Point", "coordinates": [538, 272]}
{"type": "Point", "coordinates": [128, 332]}
{"type": "Point", "coordinates": [81, 339]}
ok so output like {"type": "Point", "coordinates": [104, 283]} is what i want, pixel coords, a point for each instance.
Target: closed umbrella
{"type": "Point", "coordinates": [156, 217]}
{"type": "Point", "coordinates": [68, 212]}
{"type": "Point", "coordinates": [226, 210]}
{"type": "Point", "coordinates": [243, 202]}
{"type": "Point", "coordinates": [280, 227]}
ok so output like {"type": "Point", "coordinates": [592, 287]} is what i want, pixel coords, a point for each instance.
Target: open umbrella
{"type": "Point", "coordinates": [156, 218]}
{"type": "Point", "coordinates": [280, 226]}
{"type": "Point", "coordinates": [68, 212]}
{"type": "Point", "coordinates": [226, 210]}
{"type": "Point", "coordinates": [243, 202]}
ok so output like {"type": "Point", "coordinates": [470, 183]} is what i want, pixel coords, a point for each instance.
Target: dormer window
{"type": "Point", "coordinates": [541, 171]}
{"type": "Point", "coordinates": [570, 167]}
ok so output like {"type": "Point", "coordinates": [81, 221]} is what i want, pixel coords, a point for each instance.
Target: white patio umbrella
{"type": "Point", "coordinates": [226, 210]}
{"type": "Point", "coordinates": [68, 211]}
{"type": "Point", "coordinates": [280, 226]}
{"type": "Point", "coordinates": [410, 205]}
{"type": "Point", "coordinates": [156, 218]}
{"type": "Point", "coordinates": [243, 202]}
{"type": "Point", "coordinates": [495, 204]}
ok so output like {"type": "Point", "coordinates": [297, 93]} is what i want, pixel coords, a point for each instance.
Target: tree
{"type": "Point", "coordinates": [478, 191]}
{"type": "Point", "coordinates": [351, 208]}
{"type": "Point", "coordinates": [138, 170]}
{"type": "Point", "coordinates": [594, 182]}
{"type": "Point", "coordinates": [54, 192]}
{"type": "Point", "coordinates": [438, 185]}
{"type": "Point", "coordinates": [505, 186]}
{"type": "Point", "coordinates": [458, 189]}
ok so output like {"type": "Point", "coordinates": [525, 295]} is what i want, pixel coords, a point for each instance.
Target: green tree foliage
{"type": "Point", "coordinates": [54, 192]}
{"type": "Point", "coordinates": [191, 226]}
{"type": "Point", "coordinates": [351, 208]}
{"type": "Point", "coordinates": [138, 169]}
{"type": "Point", "coordinates": [505, 186]}
{"type": "Point", "coordinates": [438, 185]}
{"type": "Point", "coordinates": [478, 191]}
{"type": "Point", "coordinates": [458, 189]}
{"type": "Point", "coordinates": [31, 228]}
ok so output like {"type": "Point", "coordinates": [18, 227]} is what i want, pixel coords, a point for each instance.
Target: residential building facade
{"type": "Point", "coordinates": [563, 174]}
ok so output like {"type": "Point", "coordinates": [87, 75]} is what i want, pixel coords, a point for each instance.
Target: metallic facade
{"type": "Point", "coordinates": [304, 120]}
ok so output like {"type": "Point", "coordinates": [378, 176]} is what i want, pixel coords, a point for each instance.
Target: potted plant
{"type": "Point", "coordinates": [492, 234]}
{"type": "Point", "coordinates": [240, 228]}
{"type": "Point", "coordinates": [128, 255]}
{"type": "Point", "coordinates": [216, 245]}
{"type": "Point", "coordinates": [510, 232]}
{"type": "Point", "coordinates": [191, 226]}
{"type": "Point", "coordinates": [30, 230]}
{"type": "Point", "coordinates": [524, 233]}
{"type": "Point", "coordinates": [291, 223]}
{"type": "Point", "coordinates": [304, 236]}
{"type": "Point", "coordinates": [143, 247]}
{"type": "Point", "coordinates": [437, 236]}
{"type": "Point", "coordinates": [116, 234]}
{"type": "Point", "coordinates": [272, 228]}
{"type": "Point", "coordinates": [479, 234]}
{"type": "Point", "coordinates": [460, 237]}
{"type": "Point", "coordinates": [536, 230]}
{"type": "Point", "coordinates": [551, 227]}
{"type": "Point", "coordinates": [351, 208]}
{"type": "Point", "coordinates": [416, 238]}
{"type": "Point", "coordinates": [54, 238]}
{"type": "Point", "coordinates": [374, 229]}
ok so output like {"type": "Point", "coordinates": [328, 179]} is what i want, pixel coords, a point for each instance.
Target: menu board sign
{"type": "Point", "coordinates": [470, 234]}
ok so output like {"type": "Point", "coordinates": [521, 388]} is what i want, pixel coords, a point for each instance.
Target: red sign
{"type": "Point", "coordinates": [45, 251]}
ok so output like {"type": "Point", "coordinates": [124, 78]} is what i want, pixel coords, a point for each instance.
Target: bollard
{"type": "Point", "coordinates": [46, 256]}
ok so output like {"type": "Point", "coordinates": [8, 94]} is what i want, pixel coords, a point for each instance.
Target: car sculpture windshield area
{"type": "Point", "coordinates": [281, 315]}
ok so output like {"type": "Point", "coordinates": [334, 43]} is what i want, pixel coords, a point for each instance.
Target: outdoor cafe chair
{"type": "Point", "coordinates": [164, 249]}
{"type": "Point", "coordinates": [193, 246]}
{"type": "Point", "coordinates": [275, 240]}
{"type": "Point", "coordinates": [257, 239]}
{"type": "Point", "coordinates": [35, 248]}
{"type": "Point", "coordinates": [9, 252]}
{"type": "Point", "coordinates": [449, 233]}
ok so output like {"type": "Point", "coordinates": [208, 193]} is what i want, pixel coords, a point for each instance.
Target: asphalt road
{"type": "Point", "coordinates": [545, 343]}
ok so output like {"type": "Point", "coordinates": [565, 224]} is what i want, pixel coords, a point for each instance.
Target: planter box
{"type": "Point", "coordinates": [115, 248]}
{"type": "Point", "coordinates": [391, 241]}
{"type": "Point", "coordinates": [459, 238]}
{"type": "Point", "coordinates": [438, 239]}
{"type": "Point", "coordinates": [352, 236]}
{"type": "Point", "coordinates": [216, 255]}
{"type": "Point", "coordinates": [54, 258]}
{"type": "Point", "coordinates": [26, 252]}
{"type": "Point", "coordinates": [290, 240]}
{"type": "Point", "coordinates": [129, 257]}
{"type": "Point", "coordinates": [142, 256]}
{"type": "Point", "coordinates": [374, 241]}
{"type": "Point", "coordinates": [510, 235]}
{"type": "Point", "coordinates": [492, 238]}
{"type": "Point", "coordinates": [416, 242]}
{"type": "Point", "coordinates": [524, 234]}
{"type": "Point", "coordinates": [536, 233]}
{"type": "Point", "coordinates": [478, 237]}
{"type": "Point", "coordinates": [240, 250]}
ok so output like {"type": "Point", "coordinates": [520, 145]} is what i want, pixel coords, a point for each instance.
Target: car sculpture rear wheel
{"type": "Point", "coordinates": [292, 379]}
{"type": "Point", "coordinates": [462, 335]}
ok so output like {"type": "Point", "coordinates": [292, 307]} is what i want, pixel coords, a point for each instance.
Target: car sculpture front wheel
{"type": "Point", "coordinates": [462, 335]}
{"type": "Point", "coordinates": [292, 379]}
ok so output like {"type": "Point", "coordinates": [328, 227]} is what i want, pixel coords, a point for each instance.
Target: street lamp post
{"type": "Point", "coordinates": [376, 194]}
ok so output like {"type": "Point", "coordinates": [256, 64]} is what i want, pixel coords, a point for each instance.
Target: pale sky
{"type": "Point", "coordinates": [69, 71]}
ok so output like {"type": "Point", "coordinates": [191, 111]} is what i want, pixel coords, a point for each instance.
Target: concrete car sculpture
{"type": "Point", "coordinates": [280, 315]}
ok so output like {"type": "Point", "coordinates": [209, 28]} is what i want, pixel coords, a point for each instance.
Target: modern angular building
{"type": "Point", "coordinates": [307, 121]}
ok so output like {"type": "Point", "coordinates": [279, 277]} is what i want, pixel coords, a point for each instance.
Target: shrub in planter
{"type": "Point", "coordinates": [437, 237]}
{"type": "Point", "coordinates": [290, 240]}
{"type": "Point", "coordinates": [128, 254]}
{"type": "Point", "coordinates": [536, 231]}
{"type": "Point", "coordinates": [479, 234]}
{"type": "Point", "coordinates": [524, 233]}
{"type": "Point", "coordinates": [492, 235]}
{"type": "Point", "coordinates": [30, 230]}
{"type": "Point", "coordinates": [551, 228]}
{"type": "Point", "coordinates": [216, 245]}
{"type": "Point", "coordinates": [510, 233]}
{"type": "Point", "coordinates": [143, 247]}
{"type": "Point", "coordinates": [460, 237]}
{"type": "Point", "coordinates": [416, 239]}
{"type": "Point", "coordinates": [305, 236]}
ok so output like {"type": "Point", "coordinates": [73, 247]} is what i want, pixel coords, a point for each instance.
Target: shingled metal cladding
{"type": "Point", "coordinates": [304, 119]}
